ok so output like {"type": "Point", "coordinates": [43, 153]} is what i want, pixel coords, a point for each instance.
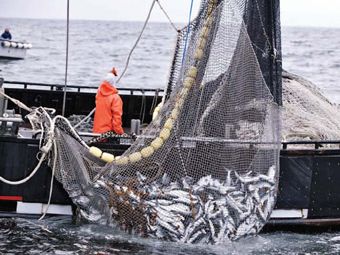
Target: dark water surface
{"type": "Point", "coordinates": [96, 46]}
{"type": "Point", "coordinates": [58, 235]}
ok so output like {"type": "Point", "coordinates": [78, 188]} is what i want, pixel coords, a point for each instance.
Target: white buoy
{"type": "Point", "coordinates": [165, 134]}
{"type": "Point", "coordinates": [184, 93]}
{"type": "Point", "coordinates": [174, 113]}
{"type": "Point", "coordinates": [198, 54]}
{"type": "Point", "coordinates": [192, 72]}
{"type": "Point", "coordinates": [6, 44]}
{"type": "Point", "coordinates": [157, 143]}
{"type": "Point", "coordinates": [169, 123]}
{"type": "Point", "coordinates": [156, 111]}
{"type": "Point", "coordinates": [147, 151]}
{"type": "Point", "coordinates": [122, 160]}
{"type": "Point", "coordinates": [107, 157]}
{"type": "Point", "coordinates": [20, 45]}
{"type": "Point", "coordinates": [27, 45]}
{"type": "Point", "coordinates": [95, 151]}
{"type": "Point", "coordinates": [13, 44]}
{"type": "Point", "coordinates": [135, 157]}
{"type": "Point", "coordinates": [188, 82]}
{"type": "Point", "coordinates": [179, 103]}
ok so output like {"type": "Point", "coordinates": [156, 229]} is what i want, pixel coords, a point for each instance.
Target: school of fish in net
{"type": "Point", "coordinates": [208, 211]}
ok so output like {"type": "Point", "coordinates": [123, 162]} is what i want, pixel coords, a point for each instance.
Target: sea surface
{"type": "Point", "coordinates": [59, 235]}
{"type": "Point", "coordinates": [96, 46]}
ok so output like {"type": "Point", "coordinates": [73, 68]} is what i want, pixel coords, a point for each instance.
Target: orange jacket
{"type": "Point", "coordinates": [109, 110]}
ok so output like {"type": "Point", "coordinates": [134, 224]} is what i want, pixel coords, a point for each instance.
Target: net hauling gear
{"type": "Point", "coordinates": [205, 169]}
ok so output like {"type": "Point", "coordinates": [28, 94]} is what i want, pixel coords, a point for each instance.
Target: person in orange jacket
{"type": "Point", "coordinates": [109, 106]}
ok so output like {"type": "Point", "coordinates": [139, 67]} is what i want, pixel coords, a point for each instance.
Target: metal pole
{"type": "Point", "coordinates": [66, 64]}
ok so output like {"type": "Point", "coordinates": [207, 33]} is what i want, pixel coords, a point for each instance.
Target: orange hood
{"type": "Point", "coordinates": [106, 89]}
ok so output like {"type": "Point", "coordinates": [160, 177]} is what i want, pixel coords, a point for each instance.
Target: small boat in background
{"type": "Point", "coordinates": [13, 49]}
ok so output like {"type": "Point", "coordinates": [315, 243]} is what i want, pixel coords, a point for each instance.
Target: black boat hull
{"type": "Point", "coordinates": [308, 185]}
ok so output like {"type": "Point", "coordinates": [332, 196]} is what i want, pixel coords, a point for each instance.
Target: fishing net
{"type": "Point", "coordinates": [205, 170]}
{"type": "Point", "coordinates": [307, 114]}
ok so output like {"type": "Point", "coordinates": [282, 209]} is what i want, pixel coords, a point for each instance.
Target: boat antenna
{"type": "Point", "coordinates": [66, 64]}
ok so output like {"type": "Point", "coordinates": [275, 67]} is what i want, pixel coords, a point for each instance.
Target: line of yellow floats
{"type": "Point", "coordinates": [189, 80]}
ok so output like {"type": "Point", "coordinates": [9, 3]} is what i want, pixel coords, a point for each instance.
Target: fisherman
{"type": "Point", "coordinates": [6, 35]}
{"type": "Point", "coordinates": [109, 106]}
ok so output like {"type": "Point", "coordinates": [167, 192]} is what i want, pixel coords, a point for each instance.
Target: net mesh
{"type": "Point", "coordinates": [205, 169]}
{"type": "Point", "coordinates": [307, 113]}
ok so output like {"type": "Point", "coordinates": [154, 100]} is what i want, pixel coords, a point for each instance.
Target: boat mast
{"type": "Point", "coordinates": [66, 61]}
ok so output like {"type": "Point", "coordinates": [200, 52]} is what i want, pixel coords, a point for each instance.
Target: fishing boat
{"type": "Point", "coordinates": [308, 186]}
{"type": "Point", "coordinates": [302, 199]}
{"type": "Point", "coordinates": [13, 49]}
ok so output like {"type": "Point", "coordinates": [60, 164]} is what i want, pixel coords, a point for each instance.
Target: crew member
{"type": "Point", "coordinates": [6, 35]}
{"type": "Point", "coordinates": [109, 106]}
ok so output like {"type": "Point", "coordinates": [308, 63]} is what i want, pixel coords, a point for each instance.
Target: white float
{"type": "Point", "coordinates": [13, 49]}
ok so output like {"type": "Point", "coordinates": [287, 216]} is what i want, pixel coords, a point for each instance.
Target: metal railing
{"type": "Point", "coordinates": [60, 87]}
{"type": "Point", "coordinates": [317, 144]}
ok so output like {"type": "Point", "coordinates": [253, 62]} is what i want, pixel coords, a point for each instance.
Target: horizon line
{"type": "Point", "coordinates": [155, 21]}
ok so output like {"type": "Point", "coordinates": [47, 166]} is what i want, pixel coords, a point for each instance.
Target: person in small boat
{"type": "Point", "coordinates": [109, 106]}
{"type": "Point", "coordinates": [6, 35]}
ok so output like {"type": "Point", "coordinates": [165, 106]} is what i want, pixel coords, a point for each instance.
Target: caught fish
{"type": "Point", "coordinates": [209, 210]}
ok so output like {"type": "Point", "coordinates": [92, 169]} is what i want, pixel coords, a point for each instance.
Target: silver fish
{"type": "Point", "coordinates": [199, 233]}
{"type": "Point", "coordinates": [228, 180]}
{"type": "Point", "coordinates": [178, 208]}
{"type": "Point", "coordinates": [167, 226]}
{"type": "Point", "coordinates": [165, 179]}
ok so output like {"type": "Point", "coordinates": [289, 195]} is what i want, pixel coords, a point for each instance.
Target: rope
{"type": "Point", "coordinates": [28, 177]}
{"type": "Point", "coordinates": [52, 180]}
{"type": "Point", "coordinates": [188, 31]}
{"type": "Point", "coordinates": [72, 130]}
{"type": "Point", "coordinates": [46, 148]}
{"type": "Point", "coordinates": [17, 102]}
{"type": "Point", "coordinates": [86, 118]}
{"type": "Point", "coordinates": [25, 107]}
{"type": "Point", "coordinates": [165, 13]}
{"type": "Point", "coordinates": [136, 43]}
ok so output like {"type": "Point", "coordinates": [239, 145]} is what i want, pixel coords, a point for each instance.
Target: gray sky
{"type": "Point", "coordinates": [323, 13]}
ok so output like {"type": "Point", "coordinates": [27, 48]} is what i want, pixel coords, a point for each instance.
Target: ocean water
{"type": "Point", "coordinates": [96, 46]}
{"type": "Point", "coordinates": [58, 235]}
{"type": "Point", "coordinates": [314, 53]}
